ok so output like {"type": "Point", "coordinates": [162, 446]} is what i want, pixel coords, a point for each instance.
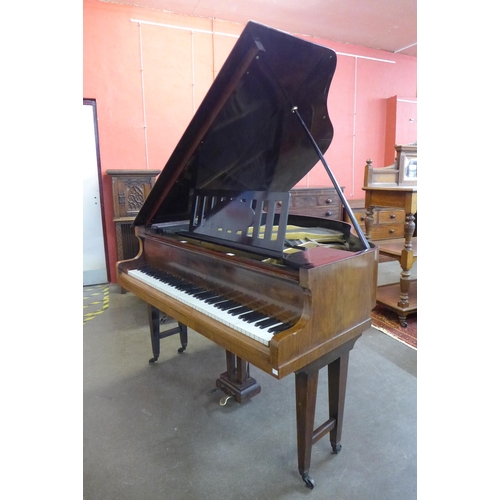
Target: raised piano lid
{"type": "Point", "coordinates": [244, 135]}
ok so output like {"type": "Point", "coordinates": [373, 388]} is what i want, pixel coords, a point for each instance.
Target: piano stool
{"type": "Point", "coordinates": [158, 431]}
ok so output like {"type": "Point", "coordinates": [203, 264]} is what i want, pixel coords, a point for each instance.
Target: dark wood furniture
{"type": "Point", "coordinates": [216, 245]}
{"type": "Point", "coordinates": [316, 202]}
{"type": "Point", "coordinates": [129, 189]}
{"type": "Point", "coordinates": [387, 187]}
{"type": "Point", "coordinates": [399, 297]}
{"type": "Point", "coordinates": [387, 222]}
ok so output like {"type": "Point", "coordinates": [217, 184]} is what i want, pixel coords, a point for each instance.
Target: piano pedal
{"type": "Point", "coordinates": [223, 401]}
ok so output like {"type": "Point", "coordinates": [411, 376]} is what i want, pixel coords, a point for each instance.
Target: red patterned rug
{"type": "Point", "coordinates": [387, 321]}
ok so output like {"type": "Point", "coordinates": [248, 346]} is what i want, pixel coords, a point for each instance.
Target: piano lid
{"type": "Point", "coordinates": [244, 135]}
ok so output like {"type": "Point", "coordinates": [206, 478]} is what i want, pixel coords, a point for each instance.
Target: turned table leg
{"type": "Point", "coordinates": [369, 223]}
{"type": "Point", "coordinates": [406, 262]}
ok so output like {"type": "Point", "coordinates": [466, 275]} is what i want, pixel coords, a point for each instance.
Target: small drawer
{"type": "Point", "coordinates": [387, 231]}
{"type": "Point", "coordinates": [327, 200]}
{"type": "Point", "coordinates": [391, 217]}
{"type": "Point", "coordinates": [324, 212]}
{"type": "Point", "coordinates": [304, 201]}
{"type": "Point", "coordinates": [360, 217]}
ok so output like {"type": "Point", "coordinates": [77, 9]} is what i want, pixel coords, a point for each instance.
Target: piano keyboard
{"type": "Point", "coordinates": [228, 312]}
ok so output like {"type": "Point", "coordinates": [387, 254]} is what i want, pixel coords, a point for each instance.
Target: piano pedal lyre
{"type": "Point", "coordinates": [236, 381]}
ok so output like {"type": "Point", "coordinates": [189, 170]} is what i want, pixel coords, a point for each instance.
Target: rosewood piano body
{"type": "Point", "coordinates": [220, 253]}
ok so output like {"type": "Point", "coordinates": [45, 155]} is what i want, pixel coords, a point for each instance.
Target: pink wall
{"type": "Point", "coordinates": [178, 67]}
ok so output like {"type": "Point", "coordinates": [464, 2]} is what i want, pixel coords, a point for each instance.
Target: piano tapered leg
{"type": "Point", "coordinates": [306, 387]}
{"type": "Point", "coordinates": [337, 380]}
{"type": "Point", "coordinates": [157, 335]}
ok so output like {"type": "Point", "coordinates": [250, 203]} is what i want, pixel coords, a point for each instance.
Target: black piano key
{"type": "Point", "coordinates": [239, 310]}
{"type": "Point", "coordinates": [279, 328]}
{"type": "Point", "coordinates": [264, 323]}
{"type": "Point", "coordinates": [205, 294]}
{"type": "Point", "coordinates": [188, 287]}
{"type": "Point", "coordinates": [226, 305]}
{"type": "Point", "coordinates": [252, 316]}
{"type": "Point", "coordinates": [215, 299]}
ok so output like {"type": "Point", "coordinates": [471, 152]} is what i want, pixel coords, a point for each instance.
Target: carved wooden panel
{"type": "Point", "coordinates": [130, 190]}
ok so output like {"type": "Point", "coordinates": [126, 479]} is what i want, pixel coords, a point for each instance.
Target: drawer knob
{"type": "Point", "coordinates": [363, 218]}
{"type": "Point", "coordinates": [329, 200]}
{"type": "Point", "coordinates": [328, 213]}
{"type": "Point", "coordinates": [391, 231]}
{"type": "Point", "coordinates": [393, 216]}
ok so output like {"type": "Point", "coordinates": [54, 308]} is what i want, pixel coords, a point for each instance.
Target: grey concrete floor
{"type": "Point", "coordinates": [156, 431]}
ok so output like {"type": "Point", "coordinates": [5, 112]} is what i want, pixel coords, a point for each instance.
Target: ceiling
{"type": "Point", "coordinates": [389, 25]}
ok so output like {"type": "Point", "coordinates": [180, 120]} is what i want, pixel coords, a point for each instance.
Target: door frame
{"type": "Point", "coordinates": [93, 103]}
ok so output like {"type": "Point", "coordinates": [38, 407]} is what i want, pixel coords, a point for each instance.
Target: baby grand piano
{"type": "Point", "coordinates": [220, 253]}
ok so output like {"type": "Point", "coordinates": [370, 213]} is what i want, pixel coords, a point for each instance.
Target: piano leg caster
{"type": "Point", "coordinates": [308, 480]}
{"type": "Point", "coordinates": [402, 321]}
{"type": "Point", "coordinates": [336, 448]}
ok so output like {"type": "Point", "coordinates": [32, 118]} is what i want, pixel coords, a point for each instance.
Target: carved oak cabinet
{"type": "Point", "coordinates": [130, 190]}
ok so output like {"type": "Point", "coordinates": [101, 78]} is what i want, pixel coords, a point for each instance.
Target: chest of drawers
{"type": "Point", "coordinates": [316, 202]}
{"type": "Point", "coordinates": [387, 222]}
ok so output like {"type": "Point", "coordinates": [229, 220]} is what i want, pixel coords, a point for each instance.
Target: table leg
{"type": "Point", "coordinates": [369, 223]}
{"type": "Point", "coordinates": [406, 262]}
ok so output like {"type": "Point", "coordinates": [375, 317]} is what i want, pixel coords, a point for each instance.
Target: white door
{"type": "Point", "coordinates": [94, 256]}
